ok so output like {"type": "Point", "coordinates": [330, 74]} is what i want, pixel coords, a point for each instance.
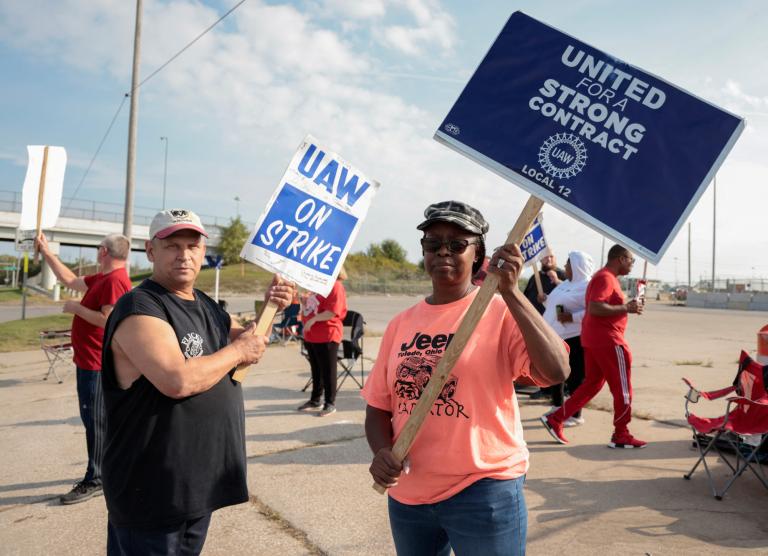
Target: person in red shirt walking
{"type": "Point", "coordinates": [323, 329]}
{"type": "Point", "coordinates": [606, 354]}
{"type": "Point", "coordinates": [102, 290]}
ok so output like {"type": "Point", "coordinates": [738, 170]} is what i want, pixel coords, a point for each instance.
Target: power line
{"type": "Point", "coordinates": [98, 149]}
{"type": "Point", "coordinates": [193, 41]}
{"type": "Point", "coordinates": [150, 76]}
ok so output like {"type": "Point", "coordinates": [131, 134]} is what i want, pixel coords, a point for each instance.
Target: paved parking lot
{"type": "Point", "coordinates": [311, 492]}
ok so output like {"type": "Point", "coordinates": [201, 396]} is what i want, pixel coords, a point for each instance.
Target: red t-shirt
{"type": "Point", "coordinates": [328, 330]}
{"type": "Point", "coordinates": [87, 339]}
{"type": "Point", "coordinates": [603, 331]}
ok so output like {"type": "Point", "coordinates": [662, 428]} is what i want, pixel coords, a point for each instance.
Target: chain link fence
{"type": "Point", "coordinates": [373, 286]}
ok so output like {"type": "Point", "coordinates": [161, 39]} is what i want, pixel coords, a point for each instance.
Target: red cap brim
{"type": "Point", "coordinates": [162, 234]}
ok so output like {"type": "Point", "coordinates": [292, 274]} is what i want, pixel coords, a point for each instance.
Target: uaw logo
{"type": "Point", "coordinates": [453, 129]}
{"type": "Point", "coordinates": [193, 345]}
{"type": "Point", "coordinates": [562, 155]}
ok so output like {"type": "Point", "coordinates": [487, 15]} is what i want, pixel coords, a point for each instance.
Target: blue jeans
{"type": "Point", "coordinates": [181, 539]}
{"type": "Point", "coordinates": [487, 518]}
{"type": "Point", "coordinates": [90, 397]}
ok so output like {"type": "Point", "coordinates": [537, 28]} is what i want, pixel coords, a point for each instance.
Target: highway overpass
{"type": "Point", "coordinates": [84, 223]}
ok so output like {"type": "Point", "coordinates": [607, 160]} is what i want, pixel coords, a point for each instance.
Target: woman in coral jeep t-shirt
{"type": "Point", "coordinates": [462, 488]}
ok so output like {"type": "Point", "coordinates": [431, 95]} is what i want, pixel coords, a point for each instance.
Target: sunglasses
{"type": "Point", "coordinates": [455, 246]}
{"type": "Point", "coordinates": [631, 260]}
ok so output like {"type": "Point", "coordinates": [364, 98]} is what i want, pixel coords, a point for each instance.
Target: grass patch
{"type": "Point", "coordinates": [10, 296]}
{"type": "Point", "coordinates": [22, 335]}
{"type": "Point", "coordinates": [248, 279]}
{"type": "Point", "coordinates": [253, 279]}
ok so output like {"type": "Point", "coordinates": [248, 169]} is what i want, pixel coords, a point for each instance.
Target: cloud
{"type": "Point", "coordinates": [410, 27]}
{"type": "Point", "coordinates": [81, 33]}
{"type": "Point", "coordinates": [247, 92]}
{"type": "Point", "coordinates": [743, 102]}
{"type": "Point", "coordinates": [356, 9]}
{"type": "Point", "coordinates": [435, 28]}
{"type": "Point", "coordinates": [255, 86]}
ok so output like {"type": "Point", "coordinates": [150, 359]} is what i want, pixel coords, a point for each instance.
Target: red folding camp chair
{"type": "Point", "coordinates": [743, 429]}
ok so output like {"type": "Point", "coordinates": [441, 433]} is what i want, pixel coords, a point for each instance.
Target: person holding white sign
{"type": "Point", "coordinates": [606, 353]}
{"type": "Point", "coordinates": [461, 486]}
{"type": "Point", "coordinates": [101, 292]}
{"type": "Point", "coordinates": [175, 448]}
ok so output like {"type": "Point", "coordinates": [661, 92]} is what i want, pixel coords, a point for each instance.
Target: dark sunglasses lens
{"type": "Point", "coordinates": [431, 245]}
{"type": "Point", "coordinates": [458, 246]}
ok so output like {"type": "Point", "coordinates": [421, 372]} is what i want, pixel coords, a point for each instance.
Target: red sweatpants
{"type": "Point", "coordinates": [610, 364]}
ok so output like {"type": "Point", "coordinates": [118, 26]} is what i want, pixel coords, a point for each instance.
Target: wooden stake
{"type": "Point", "coordinates": [40, 195]}
{"type": "Point", "coordinates": [262, 328]}
{"type": "Point", "coordinates": [466, 328]}
{"type": "Point", "coordinates": [537, 278]}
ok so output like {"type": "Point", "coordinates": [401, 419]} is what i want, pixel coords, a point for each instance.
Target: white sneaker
{"type": "Point", "coordinates": [552, 409]}
{"type": "Point", "coordinates": [574, 421]}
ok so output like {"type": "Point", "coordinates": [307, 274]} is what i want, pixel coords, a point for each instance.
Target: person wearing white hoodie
{"type": "Point", "coordinates": [564, 308]}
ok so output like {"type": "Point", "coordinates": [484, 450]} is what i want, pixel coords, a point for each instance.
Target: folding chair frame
{"type": "Point", "coordinates": [283, 331]}
{"type": "Point", "coordinates": [56, 353]}
{"type": "Point", "coordinates": [347, 364]}
{"type": "Point", "coordinates": [741, 463]}
{"type": "Point", "coordinates": [727, 434]}
{"type": "Point", "coordinates": [347, 367]}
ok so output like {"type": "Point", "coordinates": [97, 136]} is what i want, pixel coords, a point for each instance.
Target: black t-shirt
{"type": "Point", "coordinates": [168, 460]}
{"type": "Point", "coordinates": [546, 284]}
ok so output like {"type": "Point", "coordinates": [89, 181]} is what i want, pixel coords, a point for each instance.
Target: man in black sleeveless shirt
{"type": "Point", "coordinates": [175, 448]}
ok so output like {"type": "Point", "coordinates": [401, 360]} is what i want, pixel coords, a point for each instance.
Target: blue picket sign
{"type": "Point", "coordinates": [534, 244]}
{"type": "Point", "coordinates": [623, 151]}
{"type": "Point", "coordinates": [214, 262]}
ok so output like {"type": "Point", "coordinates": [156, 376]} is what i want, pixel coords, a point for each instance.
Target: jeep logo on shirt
{"type": "Point", "coordinates": [424, 341]}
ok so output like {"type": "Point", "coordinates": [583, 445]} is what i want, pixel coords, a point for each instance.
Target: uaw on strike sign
{"type": "Point", "coordinates": [312, 218]}
{"type": "Point", "coordinates": [534, 245]}
{"type": "Point", "coordinates": [622, 151]}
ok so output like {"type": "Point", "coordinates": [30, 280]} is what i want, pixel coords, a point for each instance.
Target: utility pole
{"type": "Point", "coordinates": [165, 168]}
{"type": "Point", "coordinates": [714, 228]}
{"type": "Point", "coordinates": [689, 255]}
{"type": "Point", "coordinates": [130, 175]}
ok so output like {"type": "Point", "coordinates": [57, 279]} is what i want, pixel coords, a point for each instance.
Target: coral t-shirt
{"type": "Point", "coordinates": [597, 332]}
{"type": "Point", "coordinates": [473, 430]}
{"type": "Point", "coordinates": [103, 289]}
{"type": "Point", "coordinates": [327, 330]}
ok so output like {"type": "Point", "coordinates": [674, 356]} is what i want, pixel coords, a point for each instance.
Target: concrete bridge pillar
{"type": "Point", "coordinates": [48, 278]}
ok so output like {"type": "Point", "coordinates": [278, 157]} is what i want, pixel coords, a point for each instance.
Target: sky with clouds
{"type": "Point", "coordinates": [372, 79]}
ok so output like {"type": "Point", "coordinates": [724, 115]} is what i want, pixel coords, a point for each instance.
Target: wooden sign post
{"type": "Point", "coordinates": [263, 326]}
{"type": "Point", "coordinates": [456, 347]}
{"type": "Point", "coordinates": [537, 278]}
{"type": "Point", "coordinates": [40, 198]}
